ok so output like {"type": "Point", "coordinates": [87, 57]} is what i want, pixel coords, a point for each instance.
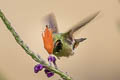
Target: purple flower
{"type": "Point", "coordinates": [51, 59]}
{"type": "Point", "coordinates": [48, 73]}
{"type": "Point", "coordinates": [38, 68]}
{"type": "Point", "coordinates": [54, 59]}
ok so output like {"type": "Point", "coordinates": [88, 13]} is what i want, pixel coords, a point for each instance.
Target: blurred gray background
{"type": "Point", "coordinates": [97, 58]}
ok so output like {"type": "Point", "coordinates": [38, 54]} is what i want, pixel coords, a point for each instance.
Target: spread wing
{"type": "Point", "coordinates": [52, 23]}
{"type": "Point", "coordinates": [81, 24]}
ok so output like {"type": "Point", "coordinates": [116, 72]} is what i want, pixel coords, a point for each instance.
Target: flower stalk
{"type": "Point", "coordinates": [34, 56]}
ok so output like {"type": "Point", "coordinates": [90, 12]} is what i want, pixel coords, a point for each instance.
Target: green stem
{"type": "Point", "coordinates": [34, 56]}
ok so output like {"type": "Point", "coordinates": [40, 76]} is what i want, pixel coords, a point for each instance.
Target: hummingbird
{"type": "Point", "coordinates": [62, 44]}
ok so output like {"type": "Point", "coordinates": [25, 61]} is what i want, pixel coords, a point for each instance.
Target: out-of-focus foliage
{"type": "Point", "coordinates": [2, 77]}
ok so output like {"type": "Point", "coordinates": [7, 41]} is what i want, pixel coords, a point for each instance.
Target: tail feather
{"type": "Point", "coordinates": [77, 41]}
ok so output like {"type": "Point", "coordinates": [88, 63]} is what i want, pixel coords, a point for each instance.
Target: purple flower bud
{"type": "Point", "coordinates": [50, 58]}
{"type": "Point", "coordinates": [48, 73]}
{"type": "Point", "coordinates": [53, 59]}
{"type": "Point", "coordinates": [38, 68]}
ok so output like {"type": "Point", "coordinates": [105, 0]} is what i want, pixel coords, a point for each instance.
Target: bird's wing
{"type": "Point", "coordinates": [81, 24]}
{"type": "Point", "coordinates": [52, 23]}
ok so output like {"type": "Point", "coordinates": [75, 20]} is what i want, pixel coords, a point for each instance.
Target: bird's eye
{"type": "Point", "coordinates": [58, 45]}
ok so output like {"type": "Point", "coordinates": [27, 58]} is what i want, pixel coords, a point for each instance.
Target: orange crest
{"type": "Point", "coordinates": [48, 40]}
